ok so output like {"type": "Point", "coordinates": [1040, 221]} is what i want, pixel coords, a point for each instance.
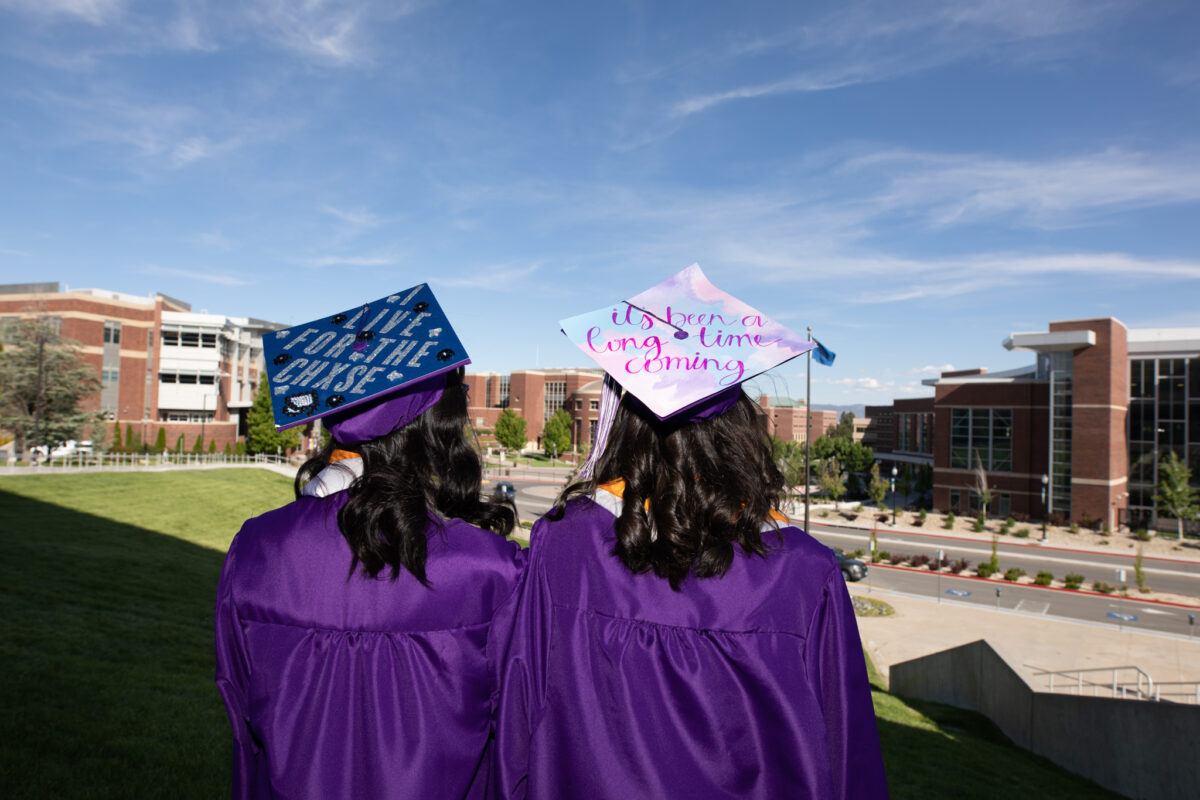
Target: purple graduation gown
{"type": "Point", "coordinates": [358, 687]}
{"type": "Point", "coordinates": [751, 685]}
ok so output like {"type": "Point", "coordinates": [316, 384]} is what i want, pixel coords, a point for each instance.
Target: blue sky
{"type": "Point", "coordinates": [913, 179]}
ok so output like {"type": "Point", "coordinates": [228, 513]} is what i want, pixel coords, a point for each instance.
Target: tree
{"type": "Point", "coordinates": [556, 438]}
{"type": "Point", "coordinates": [855, 457]}
{"type": "Point", "coordinates": [160, 442]}
{"type": "Point", "coordinates": [510, 431]}
{"type": "Point", "coordinates": [844, 429]}
{"type": "Point", "coordinates": [132, 443]}
{"type": "Point", "coordinates": [212, 445]}
{"type": "Point", "coordinates": [261, 435]}
{"type": "Point", "coordinates": [1176, 497]}
{"type": "Point", "coordinates": [43, 380]}
{"type": "Point", "coordinates": [789, 457]}
{"type": "Point", "coordinates": [878, 487]}
{"type": "Point", "coordinates": [118, 445]}
{"type": "Point", "coordinates": [198, 445]}
{"type": "Point", "coordinates": [830, 479]}
{"type": "Point", "coordinates": [179, 444]}
{"type": "Point", "coordinates": [981, 485]}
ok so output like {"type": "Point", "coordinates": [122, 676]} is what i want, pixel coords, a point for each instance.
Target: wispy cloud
{"type": "Point", "coordinates": [215, 240]}
{"type": "Point", "coordinates": [351, 261]}
{"type": "Point", "coordinates": [869, 42]}
{"type": "Point", "coordinates": [202, 275]}
{"type": "Point", "coordinates": [931, 370]}
{"type": "Point", "coordinates": [96, 12]}
{"type": "Point", "coordinates": [497, 278]}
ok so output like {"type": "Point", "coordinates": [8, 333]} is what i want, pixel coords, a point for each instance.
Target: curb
{"type": "Point", "coordinates": [1003, 582]}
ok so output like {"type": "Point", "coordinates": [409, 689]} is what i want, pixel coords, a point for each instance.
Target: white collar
{"type": "Point", "coordinates": [334, 478]}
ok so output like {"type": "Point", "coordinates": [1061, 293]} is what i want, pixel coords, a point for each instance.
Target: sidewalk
{"type": "Point", "coordinates": [1122, 543]}
{"type": "Point", "coordinates": [1028, 642]}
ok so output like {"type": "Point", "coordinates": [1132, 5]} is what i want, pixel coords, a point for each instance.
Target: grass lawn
{"type": "Point", "coordinates": [106, 593]}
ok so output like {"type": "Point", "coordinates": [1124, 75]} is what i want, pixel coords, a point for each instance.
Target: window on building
{"type": "Point", "coordinates": [110, 375]}
{"type": "Point", "coordinates": [594, 405]}
{"type": "Point", "coordinates": [579, 405]}
{"type": "Point", "coordinates": [168, 377]}
{"type": "Point", "coordinates": [170, 336]}
{"type": "Point", "coordinates": [208, 340]}
{"type": "Point", "coordinates": [112, 332]}
{"type": "Point", "coordinates": [554, 399]}
{"type": "Point", "coordinates": [188, 377]}
{"type": "Point", "coordinates": [981, 436]}
{"type": "Point", "coordinates": [208, 379]}
{"type": "Point", "coordinates": [956, 501]}
{"type": "Point", "coordinates": [189, 338]}
{"type": "Point", "coordinates": [505, 381]}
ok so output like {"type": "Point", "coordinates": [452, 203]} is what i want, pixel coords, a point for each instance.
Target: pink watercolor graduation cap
{"type": "Point", "coordinates": [681, 346]}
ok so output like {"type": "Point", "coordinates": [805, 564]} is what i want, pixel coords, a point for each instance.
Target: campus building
{"type": "Point", "coordinates": [534, 395]}
{"type": "Point", "coordinates": [1077, 435]}
{"type": "Point", "coordinates": [161, 365]}
{"type": "Point", "coordinates": [788, 419]}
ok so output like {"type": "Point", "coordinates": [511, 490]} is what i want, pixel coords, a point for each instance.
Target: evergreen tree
{"type": "Point", "coordinates": [43, 380]}
{"type": "Point", "coordinates": [262, 436]}
{"type": "Point", "coordinates": [510, 431]}
{"type": "Point", "coordinates": [556, 438]}
{"type": "Point", "coordinates": [118, 445]}
{"type": "Point", "coordinates": [132, 445]}
{"type": "Point", "coordinates": [228, 449]}
{"type": "Point", "coordinates": [160, 442]}
{"type": "Point", "coordinates": [198, 446]}
{"type": "Point", "coordinates": [179, 444]}
{"type": "Point", "coordinates": [212, 446]}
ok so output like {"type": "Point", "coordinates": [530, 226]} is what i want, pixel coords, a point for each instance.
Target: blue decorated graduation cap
{"type": "Point", "coordinates": [347, 363]}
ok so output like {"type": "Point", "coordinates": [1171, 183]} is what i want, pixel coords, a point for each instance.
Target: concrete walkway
{"type": "Point", "coordinates": [1026, 641]}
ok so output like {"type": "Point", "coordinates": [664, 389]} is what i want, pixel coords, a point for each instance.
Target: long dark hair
{"type": "Point", "coordinates": [710, 485]}
{"type": "Point", "coordinates": [424, 472]}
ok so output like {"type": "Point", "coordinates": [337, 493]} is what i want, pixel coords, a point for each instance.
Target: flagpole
{"type": "Point", "coordinates": [807, 428]}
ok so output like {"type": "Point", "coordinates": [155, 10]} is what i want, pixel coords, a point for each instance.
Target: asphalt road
{"type": "Point", "coordinates": [1109, 610]}
{"type": "Point", "coordinates": [535, 497]}
{"type": "Point", "coordinates": [1176, 577]}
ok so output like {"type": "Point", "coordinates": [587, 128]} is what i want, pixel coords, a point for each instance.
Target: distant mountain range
{"type": "Point", "coordinates": [858, 410]}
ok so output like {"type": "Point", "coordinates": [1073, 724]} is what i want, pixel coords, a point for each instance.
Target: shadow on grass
{"type": "Point", "coordinates": [106, 660]}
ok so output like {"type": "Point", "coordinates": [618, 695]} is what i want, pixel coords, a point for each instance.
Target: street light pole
{"type": "Point", "coordinates": [895, 472]}
{"type": "Point", "coordinates": [1045, 510]}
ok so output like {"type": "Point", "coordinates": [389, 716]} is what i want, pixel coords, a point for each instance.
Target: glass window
{"type": "Point", "coordinates": [187, 377]}
{"type": "Point", "coordinates": [189, 338]}
{"type": "Point", "coordinates": [112, 332]}
{"type": "Point", "coordinates": [207, 380]}
{"type": "Point", "coordinates": [956, 500]}
{"type": "Point", "coordinates": [208, 340]}
{"type": "Point", "coordinates": [167, 377]}
{"type": "Point", "coordinates": [170, 336]}
{"type": "Point", "coordinates": [594, 405]}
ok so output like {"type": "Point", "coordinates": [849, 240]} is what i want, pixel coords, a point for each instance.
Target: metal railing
{"type": "Point", "coordinates": [1140, 686]}
{"type": "Point", "coordinates": [127, 461]}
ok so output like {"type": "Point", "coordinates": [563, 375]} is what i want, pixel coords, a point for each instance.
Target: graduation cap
{"type": "Point", "coordinates": [369, 369]}
{"type": "Point", "coordinates": [681, 347]}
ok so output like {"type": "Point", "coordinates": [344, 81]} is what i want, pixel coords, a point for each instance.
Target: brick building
{"type": "Point", "coordinates": [161, 365]}
{"type": "Point", "coordinates": [788, 419]}
{"type": "Point", "coordinates": [1091, 420]}
{"type": "Point", "coordinates": [535, 394]}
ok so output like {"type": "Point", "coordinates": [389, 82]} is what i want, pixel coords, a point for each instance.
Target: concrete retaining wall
{"type": "Point", "coordinates": [1138, 748]}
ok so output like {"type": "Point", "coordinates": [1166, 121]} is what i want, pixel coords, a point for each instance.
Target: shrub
{"type": "Point", "coordinates": [858, 508]}
{"type": "Point", "coordinates": [1073, 580]}
{"type": "Point", "coordinates": [921, 515]}
{"type": "Point", "coordinates": [1074, 528]}
{"type": "Point", "coordinates": [824, 514]}
{"type": "Point", "coordinates": [859, 553]}
{"type": "Point", "coordinates": [936, 564]}
{"type": "Point", "coordinates": [1044, 578]}
{"type": "Point", "coordinates": [1008, 523]}
{"type": "Point", "coordinates": [896, 558]}
{"type": "Point", "coordinates": [949, 523]}
{"type": "Point", "coordinates": [1103, 588]}
{"type": "Point", "coordinates": [959, 566]}
{"type": "Point", "coordinates": [1142, 535]}
{"type": "Point", "coordinates": [883, 555]}
{"type": "Point", "coordinates": [1012, 573]}
{"type": "Point", "coordinates": [985, 570]}
{"type": "Point", "coordinates": [240, 449]}
{"type": "Point", "coordinates": [919, 561]}
{"type": "Point", "coordinates": [1106, 531]}
{"type": "Point", "coordinates": [1022, 533]}
{"type": "Point", "coordinates": [979, 520]}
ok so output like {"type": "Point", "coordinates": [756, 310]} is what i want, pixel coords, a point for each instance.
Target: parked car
{"type": "Point", "coordinates": [852, 568]}
{"type": "Point", "coordinates": [505, 492]}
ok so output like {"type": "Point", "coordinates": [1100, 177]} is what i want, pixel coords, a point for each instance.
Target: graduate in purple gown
{"type": "Point", "coordinates": [354, 626]}
{"type": "Point", "coordinates": [675, 637]}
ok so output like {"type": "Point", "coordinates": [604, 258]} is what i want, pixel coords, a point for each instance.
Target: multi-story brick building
{"type": "Point", "coordinates": [788, 419]}
{"type": "Point", "coordinates": [161, 365]}
{"type": "Point", "coordinates": [535, 395]}
{"type": "Point", "coordinates": [1089, 423]}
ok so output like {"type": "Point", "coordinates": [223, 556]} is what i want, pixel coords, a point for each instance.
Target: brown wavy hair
{"type": "Point", "coordinates": [710, 484]}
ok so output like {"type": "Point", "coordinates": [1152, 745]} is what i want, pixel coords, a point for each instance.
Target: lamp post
{"type": "Point", "coordinates": [1045, 508]}
{"type": "Point", "coordinates": [895, 472]}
